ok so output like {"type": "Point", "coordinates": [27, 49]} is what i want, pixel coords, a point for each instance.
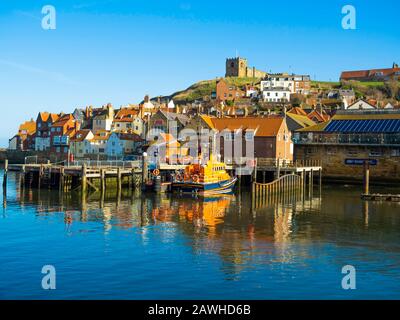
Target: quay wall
{"type": "Point", "coordinates": [333, 158]}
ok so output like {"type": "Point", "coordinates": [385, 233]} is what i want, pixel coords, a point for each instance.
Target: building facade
{"type": "Point", "coordinates": [349, 139]}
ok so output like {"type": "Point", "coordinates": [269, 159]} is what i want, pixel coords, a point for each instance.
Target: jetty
{"type": "Point", "coordinates": [268, 176]}
{"type": "Point", "coordinates": [81, 175]}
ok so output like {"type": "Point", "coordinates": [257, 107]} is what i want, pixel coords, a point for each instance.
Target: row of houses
{"type": "Point", "coordinates": [92, 131]}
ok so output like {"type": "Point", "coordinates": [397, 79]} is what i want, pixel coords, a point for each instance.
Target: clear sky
{"type": "Point", "coordinates": [118, 51]}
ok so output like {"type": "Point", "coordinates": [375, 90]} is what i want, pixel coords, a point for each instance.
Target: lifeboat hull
{"type": "Point", "coordinates": [221, 187]}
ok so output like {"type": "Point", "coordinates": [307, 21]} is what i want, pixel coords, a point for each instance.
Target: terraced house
{"type": "Point", "coordinates": [25, 138]}
{"type": "Point", "coordinates": [61, 132]}
{"type": "Point", "coordinates": [44, 122]}
{"type": "Point", "coordinates": [349, 139]}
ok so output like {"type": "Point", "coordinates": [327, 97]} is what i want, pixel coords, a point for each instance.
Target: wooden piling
{"type": "Point", "coordinates": [84, 179]}
{"type": "Point", "coordinates": [145, 173]}
{"type": "Point", "coordinates": [119, 180]}
{"type": "Point", "coordinates": [366, 177]}
{"type": "Point", "coordinates": [5, 173]}
{"type": "Point", "coordinates": [61, 179]}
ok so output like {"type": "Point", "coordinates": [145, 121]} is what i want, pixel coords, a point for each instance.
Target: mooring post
{"type": "Point", "coordinates": [5, 173]}
{"type": "Point", "coordinates": [40, 176]}
{"type": "Point", "coordinates": [320, 181]}
{"type": "Point", "coordinates": [366, 177]}
{"type": "Point", "coordinates": [278, 169]}
{"type": "Point", "coordinates": [102, 180]}
{"type": "Point", "coordinates": [61, 179]}
{"type": "Point", "coordinates": [119, 178]}
{"type": "Point", "coordinates": [133, 186]}
{"type": "Point", "coordinates": [255, 171]}
{"type": "Point", "coordinates": [144, 170]}
{"type": "Point", "coordinates": [84, 179]}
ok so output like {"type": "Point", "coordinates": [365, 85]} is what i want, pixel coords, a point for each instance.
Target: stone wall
{"type": "Point", "coordinates": [334, 166]}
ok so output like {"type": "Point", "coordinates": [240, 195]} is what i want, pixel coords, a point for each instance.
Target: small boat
{"type": "Point", "coordinates": [208, 179]}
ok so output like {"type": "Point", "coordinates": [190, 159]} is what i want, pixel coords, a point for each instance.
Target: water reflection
{"type": "Point", "coordinates": [291, 230]}
{"type": "Point", "coordinates": [235, 227]}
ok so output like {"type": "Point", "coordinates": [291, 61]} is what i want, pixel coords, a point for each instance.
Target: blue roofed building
{"type": "Point", "coordinates": [349, 139]}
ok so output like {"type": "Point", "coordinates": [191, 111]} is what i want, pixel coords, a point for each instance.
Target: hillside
{"type": "Point", "coordinates": [377, 90]}
{"type": "Point", "coordinates": [205, 88]}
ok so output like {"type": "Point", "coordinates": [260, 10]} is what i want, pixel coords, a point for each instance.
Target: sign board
{"type": "Point", "coordinates": [360, 162]}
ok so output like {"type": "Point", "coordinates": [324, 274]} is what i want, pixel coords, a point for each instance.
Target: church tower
{"type": "Point", "coordinates": [236, 67]}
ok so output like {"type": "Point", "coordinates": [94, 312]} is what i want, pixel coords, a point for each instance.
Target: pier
{"type": "Point", "coordinates": [84, 176]}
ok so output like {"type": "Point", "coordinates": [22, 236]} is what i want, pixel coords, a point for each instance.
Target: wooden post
{"type": "Point", "coordinates": [145, 173]}
{"type": "Point", "coordinates": [5, 173]}
{"type": "Point", "coordinates": [40, 176]}
{"type": "Point", "coordinates": [84, 179]}
{"type": "Point", "coordinates": [366, 177]}
{"type": "Point", "coordinates": [133, 179]}
{"type": "Point", "coordinates": [320, 181]}
{"type": "Point", "coordinates": [255, 171]}
{"type": "Point", "coordinates": [61, 182]}
{"type": "Point", "coordinates": [102, 180]}
{"type": "Point", "coordinates": [253, 191]}
{"type": "Point", "coordinates": [278, 169]}
{"type": "Point", "coordinates": [119, 182]}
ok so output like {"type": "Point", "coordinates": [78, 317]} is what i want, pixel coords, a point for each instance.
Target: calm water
{"type": "Point", "coordinates": [139, 247]}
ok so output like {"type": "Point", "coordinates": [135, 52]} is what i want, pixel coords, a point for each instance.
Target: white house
{"type": "Point", "coordinates": [299, 84]}
{"type": "Point", "coordinates": [13, 143]}
{"type": "Point", "coordinates": [80, 144]}
{"type": "Point", "coordinates": [276, 94]}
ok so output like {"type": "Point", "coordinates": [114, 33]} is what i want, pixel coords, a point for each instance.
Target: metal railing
{"type": "Point", "coordinates": [107, 164]}
{"type": "Point", "coordinates": [342, 138]}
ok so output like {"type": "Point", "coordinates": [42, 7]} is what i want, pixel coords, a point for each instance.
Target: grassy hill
{"type": "Point", "coordinates": [206, 87]}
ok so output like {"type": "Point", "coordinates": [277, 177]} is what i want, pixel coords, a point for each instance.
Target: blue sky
{"type": "Point", "coordinates": [118, 51]}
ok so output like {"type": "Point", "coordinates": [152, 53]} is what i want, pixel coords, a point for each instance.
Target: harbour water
{"type": "Point", "coordinates": [136, 246]}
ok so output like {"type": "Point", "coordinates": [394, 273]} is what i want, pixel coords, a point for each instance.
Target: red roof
{"type": "Point", "coordinates": [369, 73]}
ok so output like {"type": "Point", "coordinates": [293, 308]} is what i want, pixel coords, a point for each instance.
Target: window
{"type": "Point", "coordinates": [65, 149]}
{"type": "Point", "coordinates": [58, 149]}
{"type": "Point", "coordinates": [375, 153]}
{"type": "Point", "coordinates": [395, 153]}
{"type": "Point", "coordinates": [249, 135]}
